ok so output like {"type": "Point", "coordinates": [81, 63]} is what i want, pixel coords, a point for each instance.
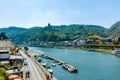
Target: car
{"type": "Point", "coordinates": [25, 61]}
{"type": "Point", "coordinates": [19, 54]}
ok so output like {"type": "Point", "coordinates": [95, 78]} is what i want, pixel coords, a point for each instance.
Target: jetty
{"type": "Point", "coordinates": [56, 60]}
{"type": "Point", "coordinates": [65, 65]}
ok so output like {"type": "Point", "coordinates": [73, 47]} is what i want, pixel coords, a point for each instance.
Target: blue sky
{"type": "Point", "coordinates": [29, 13]}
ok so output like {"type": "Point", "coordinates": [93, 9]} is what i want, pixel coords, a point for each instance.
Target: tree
{"type": "Point", "coordinates": [119, 39]}
{"type": "Point", "coordinates": [115, 42]}
{"type": "Point", "coordinates": [11, 51]}
{"type": "Point", "coordinates": [4, 74]}
{"type": "Point", "coordinates": [26, 48]}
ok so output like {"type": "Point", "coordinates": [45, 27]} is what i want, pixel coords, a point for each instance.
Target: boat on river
{"type": "Point", "coordinates": [53, 64]}
{"type": "Point", "coordinates": [49, 69]}
{"type": "Point", "coordinates": [116, 52]}
{"type": "Point", "coordinates": [44, 64]}
{"type": "Point", "coordinates": [65, 66]}
{"type": "Point", "coordinates": [68, 67]}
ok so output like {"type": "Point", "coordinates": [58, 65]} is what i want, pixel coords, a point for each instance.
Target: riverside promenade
{"type": "Point", "coordinates": [43, 71]}
{"type": "Point", "coordinates": [33, 68]}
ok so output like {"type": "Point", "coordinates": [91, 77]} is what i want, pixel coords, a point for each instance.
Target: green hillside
{"type": "Point", "coordinates": [52, 33]}
{"type": "Point", "coordinates": [114, 30]}
{"type": "Point", "coordinates": [20, 35]}
{"type": "Point", "coordinates": [84, 30]}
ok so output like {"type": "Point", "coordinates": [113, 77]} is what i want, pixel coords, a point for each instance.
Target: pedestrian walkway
{"type": "Point", "coordinates": [33, 71]}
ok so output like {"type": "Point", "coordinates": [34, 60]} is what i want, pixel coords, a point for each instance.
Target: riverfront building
{"type": "Point", "coordinates": [5, 44]}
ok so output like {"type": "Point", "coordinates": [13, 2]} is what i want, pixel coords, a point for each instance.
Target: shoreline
{"type": "Point", "coordinates": [109, 51]}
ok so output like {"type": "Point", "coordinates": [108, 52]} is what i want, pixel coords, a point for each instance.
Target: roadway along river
{"type": "Point", "coordinates": [34, 69]}
{"type": "Point", "coordinates": [91, 65]}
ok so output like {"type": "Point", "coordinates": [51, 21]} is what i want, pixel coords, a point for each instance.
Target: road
{"type": "Point", "coordinates": [35, 71]}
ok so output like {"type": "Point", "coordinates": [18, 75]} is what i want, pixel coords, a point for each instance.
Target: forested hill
{"type": "Point", "coordinates": [20, 35]}
{"type": "Point", "coordinates": [114, 30]}
{"type": "Point", "coordinates": [84, 30]}
{"type": "Point", "coordinates": [52, 33]}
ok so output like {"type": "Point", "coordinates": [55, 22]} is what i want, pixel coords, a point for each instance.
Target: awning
{"type": "Point", "coordinates": [19, 79]}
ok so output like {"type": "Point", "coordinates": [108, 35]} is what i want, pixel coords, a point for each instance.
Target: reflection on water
{"type": "Point", "coordinates": [91, 65]}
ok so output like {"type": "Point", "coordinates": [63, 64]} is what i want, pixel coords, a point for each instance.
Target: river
{"type": "Point", "coordinates": [91, 65]}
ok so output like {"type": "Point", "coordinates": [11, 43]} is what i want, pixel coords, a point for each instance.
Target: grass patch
{"type": "Point", "coordinates": [103, 50]}
{"type": "Point", "coordinates": [94, 50]}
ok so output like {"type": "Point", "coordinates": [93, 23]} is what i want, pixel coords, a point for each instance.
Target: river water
{"type": "Point", "coordinates": [91, 65]}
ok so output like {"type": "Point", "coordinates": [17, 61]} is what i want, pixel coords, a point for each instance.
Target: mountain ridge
{"type": "Point", "coordinates": [114, 30]}
{"type": "Point", "coordinates": [53, 33]}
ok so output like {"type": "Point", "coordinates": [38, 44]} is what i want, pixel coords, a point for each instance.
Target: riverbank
{"type": "Point", "coordinates": [88, 49]}
{"type": "Point", "coordinates": [103, 50]}
{"type": "Point", "coordinates": [95, 50]}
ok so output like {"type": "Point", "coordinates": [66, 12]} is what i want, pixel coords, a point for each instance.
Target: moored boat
{"type": "Point", "coordinates": [69, 68]}
{"type": "Point", "coordinates": [44, 64]}
{"type": "Point", "coordinates": [65, 66]}
{"type": "Point", "coordinates": [53, 64]}
{"type": "Point", "coordinates": [49, 69]}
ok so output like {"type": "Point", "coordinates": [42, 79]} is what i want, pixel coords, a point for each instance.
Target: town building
{"type": "Point", "coordinates": [5, 44]}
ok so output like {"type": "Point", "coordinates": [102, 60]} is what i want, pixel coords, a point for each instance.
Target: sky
{"type": "Point", "coordinates": [30, 13]}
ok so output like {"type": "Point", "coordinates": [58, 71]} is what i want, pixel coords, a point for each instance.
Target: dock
{"type": "Point", "coordinates": [69, 67]}
{"type": "Point", "coordinates": [56, 60]}
{"type": "Point", "coordinates": [65, 65]}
